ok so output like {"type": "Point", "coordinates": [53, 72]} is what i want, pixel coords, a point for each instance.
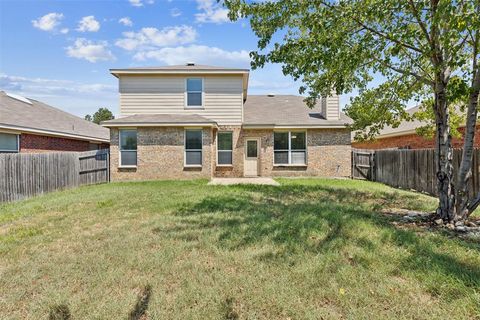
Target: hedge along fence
{"type": "Point", "coordinates": [23, 175]}
{"type": "Point", "coordinates": [417, 169]}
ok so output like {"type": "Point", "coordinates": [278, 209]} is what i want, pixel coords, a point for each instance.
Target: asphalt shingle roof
{"type": "Point", "coordinates": [40, 116]}
{"type": "Point", "coordinates": [286, 110]}
{"type": "Point", "coordinates": [405, 126]}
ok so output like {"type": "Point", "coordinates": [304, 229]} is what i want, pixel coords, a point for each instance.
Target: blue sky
{"type": "Point", "coordinates": [59, 52]}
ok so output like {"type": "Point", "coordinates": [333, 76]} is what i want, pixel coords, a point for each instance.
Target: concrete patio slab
{"type": "Point", "coordinates": [233, 181]}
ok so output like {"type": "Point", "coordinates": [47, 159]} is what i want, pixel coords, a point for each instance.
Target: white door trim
{"type": "Point", "coordinates": [251, 162]}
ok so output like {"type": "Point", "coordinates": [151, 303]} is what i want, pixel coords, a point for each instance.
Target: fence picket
{"type": "Point", "coordinates": [25, 175]}
{"type": "Point", "coordinates": [410, 169]}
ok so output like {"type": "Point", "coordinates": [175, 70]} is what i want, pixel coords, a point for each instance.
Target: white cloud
{"type": "Point", "coordinates": [71, 96]}
{"type": "Point", "coordinates": [150, 38]}
{"type": "Point", "coordinates": [198, 53]}
{"type": "Point", "coordinates": [139, 3]}
{"type": "Point", "coordinates": [64, 31]}
{"type": "Point", "coordinates": [50, 86]}
{"type": "Point", "coordinates": [48, 22]}
{"type": "Point", "coordinates": [90, 50]}
{"type": "Point", "coordinates": [211, 11]}
{"type": "Point", "coordinates": [88, 24]}
{"type": "Point", "coordinates": [175, 12]}
{"type": "Point", "coordinates": [136, 3]}
{"type": "Point", "coordinates": [126, 21]}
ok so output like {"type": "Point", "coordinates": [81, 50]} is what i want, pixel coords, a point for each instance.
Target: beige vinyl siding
{"type": "Point", "coordinates": [333, 103]}
{"type": "Point", "coordinates": [166, 94]}
{"type": "Point", "coordinates": [330, 106]}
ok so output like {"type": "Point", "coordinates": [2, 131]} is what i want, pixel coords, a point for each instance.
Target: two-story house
{"type": "Point", "coordinates": [192, 121]}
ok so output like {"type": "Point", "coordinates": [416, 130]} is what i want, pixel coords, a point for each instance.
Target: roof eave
{"type": "Point", "coordinates": [158, 124]}
{"type": "Point", "coordinates": [117, 72]}
{"type": "Point", "coordinates": [51, 133]}
{"type": "Point", "coordinates": [294, 126]}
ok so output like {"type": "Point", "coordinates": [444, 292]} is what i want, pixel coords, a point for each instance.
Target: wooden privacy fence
{"type": "Point", "coordinates": [414, 169]}
{"type": "Point", "coordinates": [362, 164]}
{"type": "Point", "coordinates": [23, 175]}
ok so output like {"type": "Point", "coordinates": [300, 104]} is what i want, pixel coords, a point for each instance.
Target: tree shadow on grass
{"type": "Point", "coordinates": [140, 308]}
{"type": "Point", "coordinates": [59, 312]}
{"type": "Point", "coordinates": [319, 219]}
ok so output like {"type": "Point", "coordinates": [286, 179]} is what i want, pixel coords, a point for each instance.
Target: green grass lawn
{"type": "Point", "coordinates": [309, 249]}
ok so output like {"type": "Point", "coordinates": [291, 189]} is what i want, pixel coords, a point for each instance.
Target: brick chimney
{"type": "Point", "coordinates": [330, 107]}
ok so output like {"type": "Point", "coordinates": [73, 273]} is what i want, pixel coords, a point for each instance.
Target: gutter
{"type": "Point", "coordinates": [299, 126]}
{"type": "Point", "coordinates": [52, 133]}
{"type": "Point", "coordinates": [117, 72]}
{"type": "Point", "coordinates": [158, 124]}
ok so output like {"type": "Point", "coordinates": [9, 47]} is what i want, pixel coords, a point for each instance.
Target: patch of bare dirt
{"type": "Point", "coordinates": [410, 219]}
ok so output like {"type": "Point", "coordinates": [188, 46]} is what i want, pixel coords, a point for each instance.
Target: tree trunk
{"type": "Point", "coordinates": [464, 206]}
{"type": "Point", "coordinates": [444, 154]}
{"type": "Point", "coordinates": [465, 170]}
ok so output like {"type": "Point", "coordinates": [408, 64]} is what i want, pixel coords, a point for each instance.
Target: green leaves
{"type": "Point", "coordinates": [102, 114]}
{"type": "Point", "coordinates": [337, 46]}
{"type": "Point", "coordinates": [383, 106]}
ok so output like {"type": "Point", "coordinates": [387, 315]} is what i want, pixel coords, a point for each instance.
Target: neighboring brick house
{"type": "Point", "coordinates": [405, 137]}
{"type": "Point", "coordinates": [192, 121]}
{"type": "Point", "coordinates": [27, 125]}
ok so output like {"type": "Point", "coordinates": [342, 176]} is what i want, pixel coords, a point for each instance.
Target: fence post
{"type": "Point", "coordinates": [24, 175]}
{"type": "Point", "coordinates": [373, 166]}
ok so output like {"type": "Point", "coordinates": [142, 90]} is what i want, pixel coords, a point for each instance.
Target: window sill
{"type": "Point", "coordinates": [192, 166]}
{"type": "Point", "coordinates": [194, 108]}
{"type": "Point", "coordinates": [225, 165]}
{"type": "Point", "coordinates": [290, 165]}
{"type": "Point", "coordinates": [127, 167]}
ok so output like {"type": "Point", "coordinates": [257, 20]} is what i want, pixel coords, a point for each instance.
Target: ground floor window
{"type": "Point", "coordinates": [289, 147]}
{"type": "Point", "coordinates": [224, 148]}
{"type": "Point", "coordinates": [128, 147]}
{"type": "Point", "coordinates": [193, 147]}
{"type": "Point", "coordinates": [9, 142]}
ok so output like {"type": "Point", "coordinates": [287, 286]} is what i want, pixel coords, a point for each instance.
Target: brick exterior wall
{"type": "Point", "coordinates": [31, 143]}
{"type": "Point", "coordinates": [160, 154]}
{"type": "Point", "coordinates": [328, 154]}
{"type": "Point", "coordinates": [412, 141]}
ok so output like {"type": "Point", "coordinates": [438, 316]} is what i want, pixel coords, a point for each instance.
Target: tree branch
{"type": "Point", "coordinates": [406, 72]}
{"type": "Point", "coordinates": [380, 34]}
{"type": "Point", "coordinates": [416, 14]}
{"type": "Point", "coordinates": [386, 37]}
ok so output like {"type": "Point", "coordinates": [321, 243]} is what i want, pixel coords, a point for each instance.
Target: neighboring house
{"type": "Point", "coordinates": [193, 121]}
{"type": "Point", "coordinates": [27, 125]}
{"type": "Point", "coordinates": [406, 137]}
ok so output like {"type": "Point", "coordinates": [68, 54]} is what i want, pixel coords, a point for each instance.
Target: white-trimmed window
{"type": "Point", "coordinates": [9, 142]}
{"type": "Point", "coordinates": [193, 147]}
{"type": "Point", "coordinates": [128, 147]}
{"type": "Point", "coordinates": [194, 92]}
{"type": "Point", "coordinates": [289, 148]}
{"type": "Point", "coordinates": [224, 148]}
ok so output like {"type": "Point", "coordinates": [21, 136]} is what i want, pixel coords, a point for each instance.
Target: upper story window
{"type": "Point", "coordinates": [194, 92]}
{"type": "Point", "coordinates": [9, 142]}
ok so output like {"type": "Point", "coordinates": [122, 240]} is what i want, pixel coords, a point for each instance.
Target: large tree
{"type": "Point", "coordinates": [416, 46]}
{"type": "Point", "coordinates": [102, 114]}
